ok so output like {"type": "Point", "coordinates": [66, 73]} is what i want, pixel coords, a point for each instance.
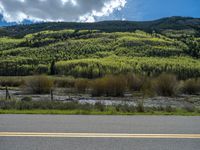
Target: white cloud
{"type": "Point", "coordinates": [58, 10]}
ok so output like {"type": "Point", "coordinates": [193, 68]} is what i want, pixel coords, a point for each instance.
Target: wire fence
{"type": "Point", "coordinates": [6, 94]}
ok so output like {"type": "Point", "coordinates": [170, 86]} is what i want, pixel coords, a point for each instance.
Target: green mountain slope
{"type": "Point", "coordinates": [95, 49]}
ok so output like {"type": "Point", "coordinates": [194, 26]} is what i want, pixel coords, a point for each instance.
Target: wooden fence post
{"type": "Point", "coordinates": [7, 94]}
{"type": "Point", "coordinates": [51, 93]}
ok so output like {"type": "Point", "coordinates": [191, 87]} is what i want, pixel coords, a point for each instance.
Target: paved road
{"type": "Point", "coordinates": [99, 124]}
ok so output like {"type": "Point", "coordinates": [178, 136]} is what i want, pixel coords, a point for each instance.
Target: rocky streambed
{"type": "Point", "coordinates": [60, 95]}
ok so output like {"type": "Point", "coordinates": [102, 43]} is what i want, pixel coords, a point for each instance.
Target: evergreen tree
{"type": "Point", "coordinates": [52, 68]}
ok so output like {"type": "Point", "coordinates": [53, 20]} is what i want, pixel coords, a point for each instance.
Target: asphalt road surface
{"type": "Point", "coordinates": [62, 132]}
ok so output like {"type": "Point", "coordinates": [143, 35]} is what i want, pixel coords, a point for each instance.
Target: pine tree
{"type": "Point", "coordinates": [53, 68]}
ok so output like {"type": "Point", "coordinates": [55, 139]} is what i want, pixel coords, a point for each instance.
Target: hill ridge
{"type": "Point", "coordinates": [177, 23]}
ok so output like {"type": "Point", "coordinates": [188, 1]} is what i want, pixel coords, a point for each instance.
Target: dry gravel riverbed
{"type": "Point", "coordinates": [61, 95]}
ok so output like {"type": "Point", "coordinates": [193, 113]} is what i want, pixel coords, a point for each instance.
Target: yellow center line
{"type": "Point", "coordinates": [99, 135]}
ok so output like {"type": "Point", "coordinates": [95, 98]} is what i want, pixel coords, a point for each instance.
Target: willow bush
{"type": "Point", "coordinates": [38, 84]}
{"type": "Point", "coordinates": [81, 85]}
{"type": "Point", "coordinates": [165, 85]}
{"type": "Point", "coordinates": [109, 86]}
{"type": "Point", "coordinates": [191, 86]}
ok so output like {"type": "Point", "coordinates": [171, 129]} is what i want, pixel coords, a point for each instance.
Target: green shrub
{"type": "Point", "coordinates": [39, 84]}
{"type": "Point", "coordinates": [170, 109]}
{"type": "Point", "coordinates": [165, 85]}
{"type": "Point", "coordinates": [45, 105]}
{"type": "Point", "coordinates": [109, 86]}
{"type": "Point", "coordinates": [115, 85]}
{"type": "Point", "coordinates": [11, 81]}
{"type": "Point", "coordinates": [191, 86]}
{"type": "Point", "coordinates": [66, 82]}
{"type": "Point", "coordinates": [140, 106]}
{"type": "Point", "coordinates": [147, 89]}
{"type": "Point", "coordinates": [81, 85]}
{"type": "Point", "coordinates": [189, 108]}
{"type": "Point", "coordinates": [98, 87]}
{"type": "Point", "coordinates": [125, 108]}
{"type": "Point", "coordinates": [135, 82]}
{"type": "Point", "coordinates": [7, 104]}
{"type": "Point", "coordinates": [86, 107]}
{"type": "Point", "coordinates": [99, 106]}
{"type": "Point", "coordinates": [26, 99]}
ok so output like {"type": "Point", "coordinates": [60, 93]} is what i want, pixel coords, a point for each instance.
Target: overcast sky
{"type": "Point", "coordinates": [18, 11]}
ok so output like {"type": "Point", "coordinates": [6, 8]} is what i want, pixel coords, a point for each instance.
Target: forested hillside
{"type": "Point", "coordinates": [94, 49]}
{"type": "Point", "coordinates": [175, 23]}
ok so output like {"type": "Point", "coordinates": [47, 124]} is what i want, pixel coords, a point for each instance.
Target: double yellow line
{"type": "Point", "coordinates": [99, 135]}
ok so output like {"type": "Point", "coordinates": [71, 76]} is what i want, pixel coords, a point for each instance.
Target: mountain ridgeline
{"type": "Point", "coordinates": [92, 50]}
{"type": "Point", "coordinates": [174, 23]}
